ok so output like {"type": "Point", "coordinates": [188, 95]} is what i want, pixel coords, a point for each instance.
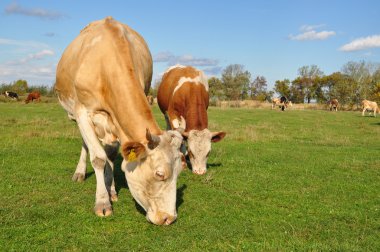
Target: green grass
{"type": "Point", "coordinates": [298, 180]}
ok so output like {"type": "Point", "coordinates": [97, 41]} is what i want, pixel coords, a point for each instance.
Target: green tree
{"type": "Point", "coordinates": [258, 88]}
{"type": "Point", "coordinates": [235, 82]}
{"type": "Point", "coordinates": [282, 87]}
{"type": "Point", "coordinates": [308, 78]}
{"type": "Point", "coordinates": [216, 88]}
{"type": "Point", "coordinates": [360, 73]}
{"type": "Point", "coordinates": [20, 86]}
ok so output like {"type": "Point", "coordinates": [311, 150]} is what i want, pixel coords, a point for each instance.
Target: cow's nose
{"type": "Point", "coordinates": [199, 172]}
{"type": "Point", "coordinates": [169, 219]}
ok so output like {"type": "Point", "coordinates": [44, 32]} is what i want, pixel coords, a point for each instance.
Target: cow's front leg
{"type": "Point", "coordinates": [80, 172]}
{"type": "Point", "coordinates": [98, 159]}
{"type": "Point", "coordinates": [363, 111]}
{"type": "Point", "coordinates": [111, 151]}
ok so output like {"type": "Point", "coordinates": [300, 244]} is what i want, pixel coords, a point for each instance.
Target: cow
{"type": "Point", "coordinates": [333, 104]}
{"type": "Point", "coordinates": [282, 102]}
{"type": "Point", "coordinates": [35, 95]}
{"type": "Point", "coordinates": [371, 106]}
{"type": "Point", "coordinates": [184, 92]}
{"type": "Point", "coordinates": [11, 95]}
{"type": "Point", "coordinates": [101, 81]}
{"type": "Point", "coordinates": [150, 99]}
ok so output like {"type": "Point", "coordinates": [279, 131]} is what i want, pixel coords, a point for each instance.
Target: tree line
{"type": "Point", "coordinates": [21, 87]}
{"type": "Point", "coordinates": [355, 82]}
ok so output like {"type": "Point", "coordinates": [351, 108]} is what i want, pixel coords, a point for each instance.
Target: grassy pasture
{"type": "Point", "coordinates": [294, 180]}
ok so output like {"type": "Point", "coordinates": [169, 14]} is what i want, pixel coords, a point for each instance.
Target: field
{"type": "Point", "coordinates": [294, 180]}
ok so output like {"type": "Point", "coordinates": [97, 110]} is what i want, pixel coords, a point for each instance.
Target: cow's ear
{"type": "Point", "coordinates": [217, 136]}
{"type": "Point", "coordinates": [133, 151]}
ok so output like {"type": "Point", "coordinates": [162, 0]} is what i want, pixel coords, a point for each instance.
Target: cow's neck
{"type": "Point", "coordinates": [131, 112]}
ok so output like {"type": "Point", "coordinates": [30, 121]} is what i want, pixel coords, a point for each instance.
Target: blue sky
{"type": "Point", "coordinates": [270, 38]}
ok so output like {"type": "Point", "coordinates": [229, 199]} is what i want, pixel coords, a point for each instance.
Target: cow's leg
{"type": "Point", "coordinates": [80, 172]}
{"type": "Point", "coordinates": [363, 111]}
{"type": "Point", "coordinates": [374, 112]}
{"type": "Point", "coordinates": [98, 159]}
{"type": "Point", "coordinates": [167, 120]}
{"type": "Point", "coordinates": [111, 151]}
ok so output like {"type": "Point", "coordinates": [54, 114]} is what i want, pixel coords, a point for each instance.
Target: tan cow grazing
{"type": "Point", "coordinates": [282, 102]}
{"type": "Point", "coordinates": [371, 106]}
{"type": "Point", "coordinates": [100, 82]}
{"type": "Point", "coordinates": [333, 103]}
{"type": "Point", "coordinates": [184, 92]}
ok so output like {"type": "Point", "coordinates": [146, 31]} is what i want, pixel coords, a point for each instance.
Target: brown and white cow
{"type": "Point", "coordinates": [35, 95]}
{"type": "Point", "coordinates": [184, 92]}
{"type": "Point", "coordinates": [333, 104]}
{"type": "Point", "coordinates": [100, 82]}
{"type": "Point", "coordinates": [282, 102]}
{"type": "Point", "coordinates": [371, 106]}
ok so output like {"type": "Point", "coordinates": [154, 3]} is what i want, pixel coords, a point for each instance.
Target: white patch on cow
{"type": "Point", "coordinates": [201, 79]}
{"type": "Point", "coordinates": [95, 40]}
{"type": "Point", "coordinates": [173, 67]}
{"type": "Point", "coordinates": [68, 105]}
{"type": "Point", "coordinates": [175, 123]}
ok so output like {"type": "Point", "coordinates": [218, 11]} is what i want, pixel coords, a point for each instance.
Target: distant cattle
{"type": "Point", "coordinates": [35, 95]}
{"type": "Point", "coordinates": [100, 82]}
{"type": "Point", "coordinates": [371, 106]}
{"type": "Point", "coordinates": [183, 92]}
{"type": "Point", "coordinates": [11, 95]}
{"type": "Point", "coordinates": [150, 99]}
{"type": "Point", "coordinates": [282, 102]}
{"type": "Point", "coordinates": [333, 104]}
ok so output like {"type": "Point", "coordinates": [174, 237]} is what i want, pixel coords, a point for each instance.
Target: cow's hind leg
{"type": "Point", "coordinates": [80, 172]}
{"type": "Point", "coordinates": [98, 159]}
{"type": "Point", "coordinates": [111, 151]}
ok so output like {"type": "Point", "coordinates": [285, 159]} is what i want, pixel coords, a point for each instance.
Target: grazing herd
{"type": "Point", "coordinates": [102, 82]}
{"type": "Point", "coordinates": [35, 95]}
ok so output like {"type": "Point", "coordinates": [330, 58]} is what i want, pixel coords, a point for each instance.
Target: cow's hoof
{"type": "Point", "coordinates": [114, 197]}
{"type": "Point", "coordinates": [78, 177]}
{"type": "Point", "coordinates": [103, 210]}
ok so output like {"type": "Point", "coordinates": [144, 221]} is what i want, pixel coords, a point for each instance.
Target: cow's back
{"type": "Point", "coordinates": [103, 48]}
{"type": "Point", "coordinates": [184, 92]}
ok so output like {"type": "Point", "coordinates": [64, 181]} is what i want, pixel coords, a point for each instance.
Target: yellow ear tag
{"type": "Point", "coordinates": [132, 156]}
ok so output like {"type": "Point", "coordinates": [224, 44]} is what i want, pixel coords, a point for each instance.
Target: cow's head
{"type": "Point", "coordinates": [199, 147]}
{"type": "Point", "coordinates": [151, 171]}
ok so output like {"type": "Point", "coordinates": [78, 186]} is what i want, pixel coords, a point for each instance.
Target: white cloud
{"type": "Point", "coordinates": [35, 75]}
{"type": "Point", "coordinates": [12, 42]}
{"type": "Point", "coordinates": [362, 44]}
{"type": "Point", "coordinates": [37, 56]}
{"type": "Point", "coordinates": [186, 59]}
{"type": "Point", "coordinates": [213, 71]}
{"type": "Point", "coordinates": [15, 8]}
{"type": "Point", "coordinates": [311, 27]}
{"type": "Point", "coordinates": [309, 33]}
